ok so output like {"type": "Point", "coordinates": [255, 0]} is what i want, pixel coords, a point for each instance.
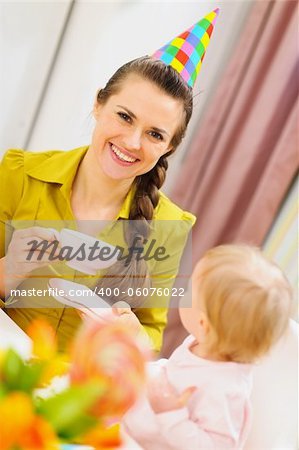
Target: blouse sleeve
{"type": "Point", "coordinates": [11, 189]}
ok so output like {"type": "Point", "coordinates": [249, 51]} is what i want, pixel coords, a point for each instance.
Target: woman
{"type": "Point", "coordinates": [141, 117]}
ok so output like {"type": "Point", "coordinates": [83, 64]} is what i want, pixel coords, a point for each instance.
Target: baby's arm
{"type": "Point", "coordinates": [216, 422]}
{"type": "Point", "coordinates": [172, 415]}
{"type": "Point", "coordinates": [163, 397]}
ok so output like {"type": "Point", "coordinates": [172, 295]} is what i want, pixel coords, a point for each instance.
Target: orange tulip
{"type": "Point", "coordinates": [44, 340]}
{"type": "Point", "coordinates": [56, 367]}
{"type": "Point", "coordinates": [45, 349]}
{"type": "Point", "coordinates": [20, 428]}
{"type": "Point", "coordinates": [108, 352]}
{"type": "Point", "coordinates": [39, 436]}
{"type": "Point", "coordinates": [17, 414]}
{"type": "Point", "coordinates": [103, 438]}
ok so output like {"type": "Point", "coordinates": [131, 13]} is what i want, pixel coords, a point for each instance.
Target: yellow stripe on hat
{"type": "Point", "coordinates": [205, 40]}
{"type": "Point", "coordinates": [177, 65]}
{"type": "Point", "coordinates": [177, 42]}
{"type": "Point", "coordinates": [211, 16]}
{"type": "Point", "coordinates": [198, 67]}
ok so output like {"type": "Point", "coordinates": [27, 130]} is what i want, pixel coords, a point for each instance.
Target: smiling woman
{"type": "Point", "coordinates": [141, 116]}
{"type": "Point", "coordinates": [135, 126]}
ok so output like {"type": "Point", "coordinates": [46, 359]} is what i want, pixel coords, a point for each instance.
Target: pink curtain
{"type": "Point", "coordinates": [244, 156]}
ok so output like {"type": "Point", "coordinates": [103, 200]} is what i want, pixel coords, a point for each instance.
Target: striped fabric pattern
{"type": "Point", "coordinates": [281, 244]}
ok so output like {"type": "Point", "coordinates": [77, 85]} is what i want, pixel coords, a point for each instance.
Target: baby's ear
{"type": "Point", "coordinates": [204, 326]}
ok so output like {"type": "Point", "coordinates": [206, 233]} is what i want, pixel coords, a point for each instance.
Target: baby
{"type": "Point", "coordinates": [200, 397]}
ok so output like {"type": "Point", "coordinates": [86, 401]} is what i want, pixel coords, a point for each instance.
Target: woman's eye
{"type": "Point", "coordinates": [124, 116]}
{"type": "Point", "coordinates": [156, 135]}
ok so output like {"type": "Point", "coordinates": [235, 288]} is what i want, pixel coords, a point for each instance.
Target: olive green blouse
{"type": "Point", "coordinates": [36, 187]}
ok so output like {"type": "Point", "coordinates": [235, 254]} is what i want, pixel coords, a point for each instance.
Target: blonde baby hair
{"type": "Point", "coordinates": [247, 300]}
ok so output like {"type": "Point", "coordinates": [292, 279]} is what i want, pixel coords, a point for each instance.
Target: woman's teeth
{"type": "Point", "coordinates": [121, 155]}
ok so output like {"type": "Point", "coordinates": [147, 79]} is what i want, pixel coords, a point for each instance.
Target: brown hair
{"type": "Point", "coordinates": [146, 186]}
{"type": "Point", "coordinates": [247, 300]}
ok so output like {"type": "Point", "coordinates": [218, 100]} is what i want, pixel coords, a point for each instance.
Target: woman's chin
{"type": "Point", "coordinates": [117, 174]}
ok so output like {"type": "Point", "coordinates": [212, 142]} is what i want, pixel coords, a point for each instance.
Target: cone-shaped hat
{"type": "Point", "coordinates": [186, 51]}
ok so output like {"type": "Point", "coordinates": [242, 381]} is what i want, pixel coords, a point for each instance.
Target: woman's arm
{"type": "Point", "coordinates": [19, 261]}
{"type": "Point", "coordinates": [6, 284]}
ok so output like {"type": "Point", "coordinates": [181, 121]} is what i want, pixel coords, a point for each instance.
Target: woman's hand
{"type": "Point", "coordinates": [21, 258]}
{"type": "Point", "coordinates": [162, 395]}
{"type": "Point", "coordinates": [123, 312]}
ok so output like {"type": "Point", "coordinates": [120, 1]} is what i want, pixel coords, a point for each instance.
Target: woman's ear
{"type": "Point", "coordinates": [169, 151]}
{"type": "Point", "coordinates": [96, 105]}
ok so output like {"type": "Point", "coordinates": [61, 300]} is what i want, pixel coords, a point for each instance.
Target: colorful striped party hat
{"type": "Point", "coordinates": [186, 51]}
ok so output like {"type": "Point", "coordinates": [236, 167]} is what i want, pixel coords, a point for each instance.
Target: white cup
{"type": "Point", "coordinates": [77, 249]}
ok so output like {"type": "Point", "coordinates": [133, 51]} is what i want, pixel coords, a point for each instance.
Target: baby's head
{"type": "Point", "coordinates": [241, 303]}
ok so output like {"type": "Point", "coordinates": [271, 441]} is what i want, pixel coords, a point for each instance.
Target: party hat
{"type": "Point", "coordinates": [186, 51]}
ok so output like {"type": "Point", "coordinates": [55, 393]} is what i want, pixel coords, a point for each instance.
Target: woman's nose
{"type": "Point", "coordinates": [133, 139]}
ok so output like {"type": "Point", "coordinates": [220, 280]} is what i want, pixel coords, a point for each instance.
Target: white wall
{"type": "Point", "coordinates": [99, 37]}
{"type": "Point", "coordinates": [29, 37]}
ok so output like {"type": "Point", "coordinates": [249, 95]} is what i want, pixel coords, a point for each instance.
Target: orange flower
{"type": "Point", "coordinates": [19, 427]}
{"type": "Point", "coordinates": [45, 349]}
{"type": "Point", "coordinates": [16, 412]}
{"type": "Point", "coordinates": [44, 340]}
{"type": "Point", "coordinates": [108, 352]}
{"type": "Point", "coordinates": [103, 438]}
{"type": "Point", "coordinates": [56, 367]}
{"type": "Point", "coordinates": [39, 436]}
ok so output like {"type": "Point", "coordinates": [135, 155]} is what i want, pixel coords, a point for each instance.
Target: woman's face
{"type": "Point", "coordinates": [134, 128]}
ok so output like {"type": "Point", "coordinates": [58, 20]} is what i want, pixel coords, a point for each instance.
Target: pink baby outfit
{"type": "Point", "coordinates": [217, 415]}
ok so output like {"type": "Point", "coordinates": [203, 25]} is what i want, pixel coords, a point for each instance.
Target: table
{"type": "Point", "coordinates": [11, 335]}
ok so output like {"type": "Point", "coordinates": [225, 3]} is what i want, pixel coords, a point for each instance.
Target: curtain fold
{"type": "Point", "coordinates": [244, 156]}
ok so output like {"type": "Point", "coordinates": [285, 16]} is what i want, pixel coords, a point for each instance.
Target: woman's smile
{"type": "Point", "coordinates": [122, 156]}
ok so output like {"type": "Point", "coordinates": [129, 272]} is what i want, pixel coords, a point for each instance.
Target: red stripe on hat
{"type": "Point", "coordinates": [210, 30]}
{"type": "Point", "coordinates": [182, 57]}
{"type": "Point", "coordinates": [184, 35]}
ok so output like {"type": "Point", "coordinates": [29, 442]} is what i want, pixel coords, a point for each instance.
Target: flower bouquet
{"type": "Point", "coordinates": [99, 380]}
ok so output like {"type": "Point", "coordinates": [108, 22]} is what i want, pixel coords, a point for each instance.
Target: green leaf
{"type": "Point", "coordinates": [66, 409]}
{"type": "Point", "coordinates": [12, 369]}
{"type": "Point", "coordinates": [83, 424]}
{"type": "Point", "coordinates": [3, 391]}
{"type": "Point", "coordinates": [30, 376]}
